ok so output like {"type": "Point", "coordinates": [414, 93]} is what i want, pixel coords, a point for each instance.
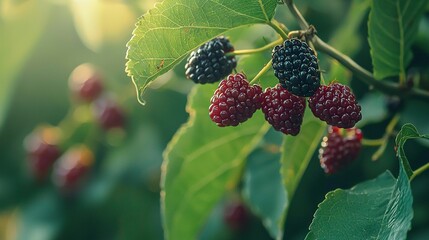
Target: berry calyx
{"type": "Point", "coordinates": [85, 83]}
{"type": "Point", "coordinates": [339, 148]}
{"type": "Point", "coordinates": [42, 149]}
{"type": "Point", "coordinates": [72, 167]}
{"type": "Point", "coordinates": [283, 110]}
{"type": "Point", "coordinates": [336, 105]}
{"type": "Point", "coordinates": [108, 113]}
{"type": "Point", "coordinates": [296, 67]}
{"type": "Point", "coordinates": [209, 64]}
{"type": "Point", "coordinates": [234, 101]}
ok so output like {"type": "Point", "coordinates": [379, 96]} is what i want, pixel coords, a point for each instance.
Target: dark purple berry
{"type": "Point", "coordinates": [72, 167]}
{"type": "Point", "coordinates": [336, 105]}
{"type": "Point", "coordinates": [296, 67]}
{"type": "Point", "coordinates": [339, 148]}
{"type": "Point", "coordinates": [209, 64]}
{"type": "Point", "coordinates": [86, 83]}
{"type": "Point", "coordinates": [108, 113]}
{"type": "Point", "coordinates": [283, 110]}
{"type": "Point", "coordinates": [234, 101]}
{"type": "Point", "coordinates": [236, 215]}
{"type": "Point", "coordinates": [42, 149]}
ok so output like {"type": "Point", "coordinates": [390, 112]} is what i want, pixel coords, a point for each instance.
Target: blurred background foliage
{"type": "Point", "coordinates": [41, 42]}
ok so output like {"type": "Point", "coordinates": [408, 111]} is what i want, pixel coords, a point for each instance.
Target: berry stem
{"type": "Point", "coordinates": [262, 72]}
{"type": "Point", "coordinates": [373, 142]}
{"type": "Point", "coordinates": [386, 87]}
{"type": "Point", "coordinates": [389, 129]}
{"type": "Point", "coordinates": [419, 171]}
{"type": "Point", "coordinates": [276, 26]}
{"type": "Point", "coordinates": [256, 50]}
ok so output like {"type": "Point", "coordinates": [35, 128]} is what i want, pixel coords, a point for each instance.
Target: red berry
{"type": "Point", "coordinates": [86, 83]}
{"type": "Point", "coordinates": [42, 149]}
{"type": "Point", "coordinates": [234, 101]}
{"type": "Point", "coordinates": [336, 105]}
{"type": "Point", "coordinates": [108, 113]}
{"type": "Point", "coordinates": [236, 215]}
{"type": "Point", "coordinates": [283, 110]}
{"type": "Point", "coordinates": [339, 148]}
{"type": "Point", "coordinates": [72, 167]}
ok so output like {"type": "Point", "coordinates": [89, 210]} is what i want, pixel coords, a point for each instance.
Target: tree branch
{"type": "Point", "coordinates": [385, 87]}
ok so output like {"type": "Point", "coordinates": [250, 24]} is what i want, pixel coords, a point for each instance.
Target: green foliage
{"type": "Point", "coordinates": [392, 28]}
{"type": "Point", "coordinates": [201, 162]}
{"type": "Point", "coordinates": [168, 33]}
{"type": "Point", "coordinates": [14, 49]}
{"type": "Point", "coordinates": [263, 188]}
{"type": "Point", "coordinates": [377, 209]}
{"type": "Point", "coordinates": [297, 151]}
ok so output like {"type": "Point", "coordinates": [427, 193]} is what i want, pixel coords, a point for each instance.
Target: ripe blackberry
{"type": "Point", "coordinates": [208, 64]}
{"type": "Point", "coordinates": [338, 150]}
{"type": "Point", "coordinates": [336, 105]}
{"type": "Point", "coordinates": [234, 101]}
{"type": "Point", "coordinates": [296, 67]}
{"type": "Point", "coordinates": [283, 110]}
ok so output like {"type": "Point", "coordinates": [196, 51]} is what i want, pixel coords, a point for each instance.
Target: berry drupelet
{"type": "Point", "coordinates": [234, 101]}
{"type": "Point", "coordinates": [283, 110]}
{"type": "Point", "coordinates": [336, 105]}
{"type": "Point", "coordinates": [339, 148]}
{"type": "Point", "coordinates": [209, 64]}
{"type": "Point", "coordinates": [296, 67]}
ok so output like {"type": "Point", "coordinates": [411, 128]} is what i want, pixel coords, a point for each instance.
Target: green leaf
{"type": "Point", "coordinates": [263, 189]}
{"type": "Point", "coordinates": [408, 131]}
{"type": "Point", "coordinates": [377, 209]}
{"type": "Point", "coordinates": [169, 32]}
{"type": "Point", "coordinates": [298, 150]}
{"type": "Point", "coordinates": [15, 44]}
{"type": "Point", "coordinates": [392, 28]}
{"type": "Point", "coordinates": [201, 162]}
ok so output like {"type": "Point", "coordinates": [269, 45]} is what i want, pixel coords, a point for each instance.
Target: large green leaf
{"type": "Point", "coordinates": [392, 28]}
{"type": "Point", "coordinates": [297, 152]}
{"type": "Point", "coordinates": [201, 162]}
{"type": "Point", "coordinates": [169, 32]}
{"type": "Point", "coordinates": [377, 209]}
{"type": "Point", "coordinates": [263, 189]}
{"type": "Point", "coordinates": [16, 44]}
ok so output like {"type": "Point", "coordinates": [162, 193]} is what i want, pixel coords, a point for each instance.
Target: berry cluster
{"type": "Point", "coordinates": [209, 64]}
{"type": "Point", "coordinates": [296, 66]}
{"type": "Point", "coordinates": [68, 159]}
{"type": "Point", "coordinates": [339, 148]}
